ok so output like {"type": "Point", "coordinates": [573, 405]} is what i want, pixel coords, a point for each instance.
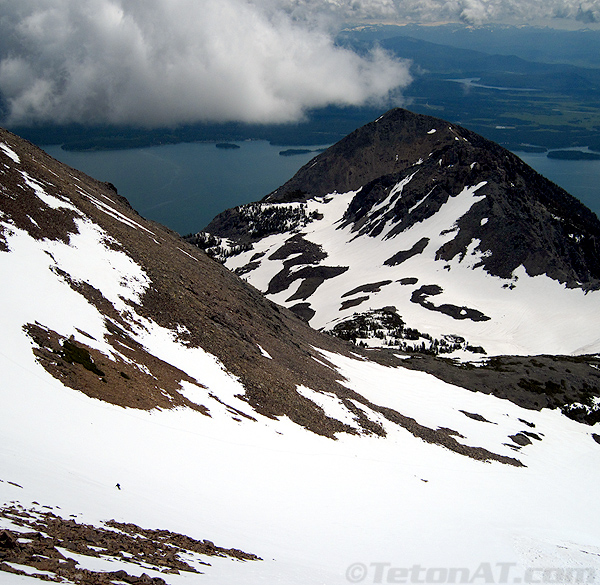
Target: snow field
{"type": "Point", "coordinates": [312, 504]}
{"type": "Point", "coordinates": [528, 315]}
{"type": "Point", "coordinates": [309, 506]}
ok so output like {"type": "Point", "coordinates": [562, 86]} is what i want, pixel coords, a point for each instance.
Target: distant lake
{"type": "Point", "coordinates": [183, 186]}
{"type": "Point", "coordinates": [581, 178]}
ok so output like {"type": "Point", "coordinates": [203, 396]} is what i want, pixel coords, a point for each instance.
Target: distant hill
{"type": "Point", "coordinates": [559, 69]}
{"type": "Point", "coordinates": [532, 43]}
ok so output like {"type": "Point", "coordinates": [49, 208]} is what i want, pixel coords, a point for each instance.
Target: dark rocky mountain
{"type": "Point", "coordinates": [215, 309]}
{"type": "Point", "coordinates": [415, 217]}
{"type": "Point", "coordinates": [530, 220]}
{"type": "Point", "coordinates": [207, 305]}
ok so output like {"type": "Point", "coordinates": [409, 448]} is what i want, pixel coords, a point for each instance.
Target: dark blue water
{"type": "Point", "coordinates": [183, 186]}
{"type": "Point", "coordinates": [580, 178]}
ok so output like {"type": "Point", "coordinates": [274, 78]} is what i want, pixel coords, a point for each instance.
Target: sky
{"type": "Point", "coordinates": [157, 63]}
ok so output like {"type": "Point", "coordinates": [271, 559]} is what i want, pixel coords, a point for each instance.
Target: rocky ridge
{"type": "Point", "coordinates": [268, 348]}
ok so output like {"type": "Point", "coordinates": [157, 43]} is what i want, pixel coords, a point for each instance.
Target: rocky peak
{"type": "Point", "coordinates": [395, 141]}
{"type": "Point", "coordinates": [522, 218]}
{"type": "Point", "coordinates": [449, 219]}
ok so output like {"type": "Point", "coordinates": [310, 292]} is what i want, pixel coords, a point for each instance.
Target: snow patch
{"type": "Point", "coordinates": [32, 571]}
{"type": "Point", "coordinates": [395, 191]}
{"type": "Point", "coordinates": [332, 406]}
{"type": "Point", "coordinates": [264, 353]}
{"type": "Point", "coordinates": [49, 200]}
{"type": "Point", "coordinates": [9, 152]}
{"type": "Point", "coordinates": [115, 214]}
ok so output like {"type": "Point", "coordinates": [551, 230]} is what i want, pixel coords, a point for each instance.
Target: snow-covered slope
{"type": "Point", "coordinates": [444, 298]}
{"type": "Point", "coordinates": [145, 388]}
{"type": "Point", "coordinates": [453, 240]}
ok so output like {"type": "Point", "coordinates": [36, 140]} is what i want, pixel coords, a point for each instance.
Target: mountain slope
{"type": "Point", "coordinates": [152, 400]}
{"type": "Point", "coordinates": [413, 217]}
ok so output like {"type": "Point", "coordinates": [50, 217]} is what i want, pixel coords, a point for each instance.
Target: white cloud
{"type": "Point", "coordinates": [163, 62]}
{"type": "Point", "coordinates": [487, 11]}
{"type": "Point", "coordinates": [471, 11]}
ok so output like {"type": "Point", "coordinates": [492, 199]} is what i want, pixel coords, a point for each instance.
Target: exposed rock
{"type": "Point", "coordinates": [404, 255]}
{"type": "Point", "coordinates": [421, 296]}
{"type": "Point", "coordinates": [520, 439]}
{"type": "Point", "coordinates": [43, 535]}
{"type": "Point", "coordinates": [476, 416]}
{"type": "Point", "coordinates": [367, 288]}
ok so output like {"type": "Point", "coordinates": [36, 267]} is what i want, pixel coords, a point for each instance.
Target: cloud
{"type": "Point", "coordinates": [166, 62]}
{"type": "Point", "coordinates": [479, 12]}
{"type": "Point", "coordinates": [430, 11]}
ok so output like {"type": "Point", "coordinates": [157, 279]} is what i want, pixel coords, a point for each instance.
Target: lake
{"type": "Point", "coordinates": [581, 178]}
{"type": "Point", "coordinates": [184, 186]}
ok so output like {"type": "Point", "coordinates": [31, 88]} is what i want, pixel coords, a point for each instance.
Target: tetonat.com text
{"type": "Point", "coordinates": [485, 573]}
